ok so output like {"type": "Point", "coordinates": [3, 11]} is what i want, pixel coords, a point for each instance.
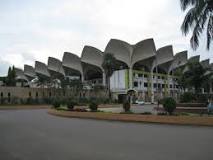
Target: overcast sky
{"type": "Point", "coordinates": [35, 29]}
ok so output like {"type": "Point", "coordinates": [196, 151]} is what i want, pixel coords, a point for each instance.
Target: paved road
{"type": "Point", "coordinates": [35, 135]}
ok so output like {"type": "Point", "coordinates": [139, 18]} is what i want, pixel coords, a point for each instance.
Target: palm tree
{"type": "Point", "coordinates": [199, 18]}
{"type": "Point", "coordinates": [109, 63]}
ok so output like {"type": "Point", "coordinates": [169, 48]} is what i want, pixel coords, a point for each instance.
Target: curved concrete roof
{"type": "Point", "coordinates": [205, 63]}
{"type": "Point", "coordinates": [41, 69]}
{"type": "Point", "coordinates": [72, 61]}
{"type": "Point", "coordinates": [55, 65]}
{"type": "Point", "coordinates": [164, 58]}
{"type": "Point", "coordinates": [29, 71]}
{"type": "Point", "coordinates": [180, 59]}
{"type": "Point", "coordinates": [92, 56]}
{"type": "Point", "coordinates": [194, 59]}
{"type": "Point", "coordinates": [143, 50]}
{"type": "Point", "coordinates": [20, 74]}
{"type": "Point", "coordinates": [121, 50]}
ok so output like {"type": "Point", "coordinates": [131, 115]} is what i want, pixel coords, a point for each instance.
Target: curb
{"type": "Point", "coordinates": [169, 120]}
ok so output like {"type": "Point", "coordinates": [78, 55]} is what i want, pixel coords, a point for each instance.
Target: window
{"type": "Point", "coordinates": [8, 94]}
{"type": "Point", "coordinates": [135, 84]}
{"type": "Point", "coordinates": [145, 75]}
{"type": "Point", "coordinates": [2, 95]}
{"type": "Point", "coordinates": [145, 84]}
{"type": "Point", "coordinates": [163, 85]}
{"type": "Point", "coordinates": [170, 85]}
{"type": "Point", "coordinates": [140, 75]}
{"type": "Point", "coordinates": [155, 85]}
{"type": "Point", "coordinates": [29, 94]}
{"type": "Point", "coordinates": [159, 85]}
{"type": "Point", "coordinates": [36, 94]}
{"type": "Point", "coordinates": [50, 94]}
{"type": "Point", "coordinates": [158, 77]}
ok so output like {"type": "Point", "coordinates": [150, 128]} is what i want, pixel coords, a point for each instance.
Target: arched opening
{"type": "Point", "coordinates": [93, 75]}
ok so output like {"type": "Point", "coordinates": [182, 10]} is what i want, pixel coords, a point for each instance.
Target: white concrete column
{"type": "Point", "coordinates": [82, 77]}
{"type": "Point", "coordinates": [152, 88]}
{"type": "Point", "coordinates": [130, 78]}
{"type": "Point", "coordinates": [104, 79]}
{"type": "Point", "coordinates": [168, 85]}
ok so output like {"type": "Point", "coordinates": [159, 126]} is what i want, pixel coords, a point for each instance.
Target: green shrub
{"type": "Point", "coordinates": [83, 101]}
{"type": "Point", "coordinates": [71, 104]}
{"type": "Point", "coordinates": [187, 97]}
{"type": "Point", "coordinates": [56, 104]}
{"type": "Point", "coordinates": [201, 98]}
{"type": "Point", "coordinates": [128, 112]}
{"type": "Point", "coordinates": [93, 106]}
{"type": "Point", "coordinates": [169, 104]}
{"type": "Point", "coordinates": [146, 113]}
{"type": "Point", "coordinates": [126, 106]}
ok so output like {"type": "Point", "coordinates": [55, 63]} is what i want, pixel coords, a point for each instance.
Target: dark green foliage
{"type": "Point", "coordinates": [56, 104]}
{"type": "Point", "coordinates": [10, 79]}
{"type": "Point", "coordinates": [169, 104]}
{"type": "Point", "coordinates": [126, 106]}
{"type": "Point", "coordinates": [187, 97]}
{"type": "Point", "coordinates": [93, 106]}
{"type": "Point", "coordinates": [146, 113]}
{"type": "Point", "coordinates": [194, 77]}
{"type": "Point", "coordinates": [71, 104]}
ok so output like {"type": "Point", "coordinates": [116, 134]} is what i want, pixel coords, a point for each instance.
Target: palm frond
{"type": "Point", "coordinates": [189, 19]}
{"type": "Point", "coordinates": [186, 3]}
{"type": "Point", "coordinates": [209, 31]}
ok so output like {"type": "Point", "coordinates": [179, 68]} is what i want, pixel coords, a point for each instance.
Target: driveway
{"type": "Point", "coordinates": [35, 135]}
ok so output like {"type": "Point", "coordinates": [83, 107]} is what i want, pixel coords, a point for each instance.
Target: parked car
{"type": "Point", "coordinates": [140, 102]}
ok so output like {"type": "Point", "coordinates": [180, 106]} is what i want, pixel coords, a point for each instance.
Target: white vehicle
{"type": "Point", "coordinates": [140, 102]}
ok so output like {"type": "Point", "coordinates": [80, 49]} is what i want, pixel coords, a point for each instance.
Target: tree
{"type": "Point", "coordinates": [109, 64]}
{"type": "Point", "coordinates": [182, 79]}
{"type": "Point", "coordinates": [11, 75]}
{"type": "Point", "coordinates": [169, 104]}
{"type": "Point", "coordinates": [199, 18]}
{"type": "Point", "coordinates": [192, 78]}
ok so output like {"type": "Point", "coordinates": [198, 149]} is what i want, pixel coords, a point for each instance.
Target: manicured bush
{"type": "Point", "coordinates": [93, 106]}
{"type": "Point", "coordinates": [169, 104]}
{"type": "Point", "coordinates": [126, 106]}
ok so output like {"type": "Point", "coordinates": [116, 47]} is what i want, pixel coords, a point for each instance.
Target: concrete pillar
{"type": "Point", "coordinates": [104, 79]}
{"type": "Point", "coordinates": [202, 90]}
{"type": "Point", "coordinates": [82, 77]}
{"type": "Point", "coordinates": [152, 88]}
{"type": "Point", "coordinates": [130, 78]}
{"type": "Point", "coordinates": [210, 87]}
{"type": "Point", "coordinates": [168, 85]}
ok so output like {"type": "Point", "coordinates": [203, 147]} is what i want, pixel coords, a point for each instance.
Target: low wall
{"type": "Point", "coordinates": [7, 94]}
